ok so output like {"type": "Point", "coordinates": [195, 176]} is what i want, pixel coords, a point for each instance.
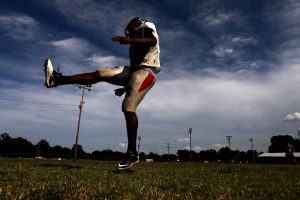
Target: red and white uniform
{"type": "Point", "coordinates": [140, 76]}
{"type": "Point", "coordinates": [142, 55]}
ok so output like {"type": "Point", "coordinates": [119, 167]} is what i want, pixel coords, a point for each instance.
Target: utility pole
{"type": "Point", "coordinates": [83, 87]}
{"type": "Point", "coordinates": [298, 134]}
{"type": "Point", "coordinates": [38, 151]}
{"type": "Point", "coordinates": [190, 133]}
{"type": "Point", "coordinates": [168, 147]}
{"type": "Point", "coordinates": [229, 140]}
{"type": "Point", "coordinates": [251, 140]}
{"type": "Point", "coordinates": [139, 138]}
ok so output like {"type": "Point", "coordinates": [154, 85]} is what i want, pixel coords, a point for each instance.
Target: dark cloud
{"type": "Point", "coordinates": [229, 68]}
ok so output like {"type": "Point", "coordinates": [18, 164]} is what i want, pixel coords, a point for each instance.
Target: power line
{"type": "Point", "coordinates": [168, 147]}
{"type": "Point", "coordinates": [190, 133]}
{"type": "Point", "coordinates": [229, 140]}
{"type": "Point", "coordinates": [251, 140]}
{"type": "Point", "coordinates": [25, 109]}
{"type": "Point", "coordinates": [38, 102]}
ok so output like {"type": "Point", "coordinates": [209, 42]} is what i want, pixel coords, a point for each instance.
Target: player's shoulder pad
{"type": "Point", "coordinates": [150, 25]}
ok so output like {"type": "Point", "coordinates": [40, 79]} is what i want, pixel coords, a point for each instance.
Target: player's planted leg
{"type": "Point", "coordinates": [131, 157]}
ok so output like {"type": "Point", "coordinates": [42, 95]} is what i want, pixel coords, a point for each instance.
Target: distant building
{"type": "Point", "coordinates": [277, 158]}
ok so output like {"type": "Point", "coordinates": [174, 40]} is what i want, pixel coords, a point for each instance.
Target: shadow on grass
{"type": "Point", "coordinates": [65, 166]}
{"type": "Point", "coordinates": [226, 170]}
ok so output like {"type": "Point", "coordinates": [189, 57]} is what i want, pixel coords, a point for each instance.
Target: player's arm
{"type": "Point", "coordinates": [148, 39]}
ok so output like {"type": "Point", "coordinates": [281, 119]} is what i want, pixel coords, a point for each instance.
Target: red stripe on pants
{"type": "Point", "coordinates": [148, 81]}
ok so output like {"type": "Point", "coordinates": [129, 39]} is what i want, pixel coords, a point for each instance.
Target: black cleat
{"type": "Point", "coordinates": [52, 77]}
{"type": "Point", "coordinates": [129, 160]}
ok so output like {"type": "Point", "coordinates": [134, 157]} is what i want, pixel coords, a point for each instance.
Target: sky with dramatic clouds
{"type": "Point", "coordinates": [229, 68]}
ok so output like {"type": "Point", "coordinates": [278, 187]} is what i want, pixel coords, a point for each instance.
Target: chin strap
{"type": "Point", "coordinates": [132, 25]}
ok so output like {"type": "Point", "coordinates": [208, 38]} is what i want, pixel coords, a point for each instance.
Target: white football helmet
{"type": "Point", "coordinates": [134, 25]}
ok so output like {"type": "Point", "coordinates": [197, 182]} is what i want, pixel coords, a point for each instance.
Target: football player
{"type": "Point", "coordinates": [137, 78]}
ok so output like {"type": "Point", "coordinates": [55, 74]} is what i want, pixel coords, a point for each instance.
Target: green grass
{"type": "Point", "coordinates": [50, 179]}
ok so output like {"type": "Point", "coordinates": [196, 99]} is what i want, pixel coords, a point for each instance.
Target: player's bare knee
{"type": "Point", "coordinates": [102, 71]}
{"type": "Point", "coordinates": [109, 71]}
{"type": "Point", "coordinates": [128, 106]}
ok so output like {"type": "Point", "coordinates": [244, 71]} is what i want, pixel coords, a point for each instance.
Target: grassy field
{"type": "Point", "coordinates": [51, 179]}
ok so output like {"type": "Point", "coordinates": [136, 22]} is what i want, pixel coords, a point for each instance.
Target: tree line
{"type": "Point", "coordinates": [21, 147]}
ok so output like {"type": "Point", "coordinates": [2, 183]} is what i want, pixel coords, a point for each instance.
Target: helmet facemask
{"type": "Point", "coordinates": [134, 25]}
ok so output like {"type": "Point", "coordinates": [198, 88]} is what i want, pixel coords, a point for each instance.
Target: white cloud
{"type": "Point", "coordinates": [222, 51]}
{"type": "Point", "coordinates": [243, 40]}
{"type": "Point", "coordinates": [214, 102]}
{"type": "Point", "coordinates": [123, 145]}
{"type": "Point", "coordinates": [196, 148]}
{"type": "Point", "coordinates": [221, 104]}
{"type": "Point", "coordinates": [284, 17]}
{"type": "Point", "coordinates": [106, 61]}
{"type": "Point", "coordinates": [251, 105]}
{"type": "Point", "coordinates": [74, 45]}
{"type": "Point", "coordinates": [292, 117]}
{"type": "Point", "coordinates": [217, 19]}
{"type": "Point", "coordinates": [100, 18]}
{"type": "Point", "coordinates": [19, 27]}
{"type": "Point", "coordinates": [17, 21]}
{"type": "Point", "coordinates": [224, 93]}
{"type": "Point", "coordinates": [75, 54]}
{"type": "Point", "coordinates": [217, 146]}
{"type": "Point", "coordinates": [183, 139]}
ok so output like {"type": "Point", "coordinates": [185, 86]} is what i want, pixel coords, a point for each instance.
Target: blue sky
{"type": "Point", "coordinates": [229, 67]}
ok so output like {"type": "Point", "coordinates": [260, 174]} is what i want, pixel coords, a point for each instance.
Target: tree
{"type": "Point", "coordinates": [235, 155]}
{"type": "Point", "coordinates": [184, 155]}
{"type": "Point", "coordinates": [20, 147]}
{"type": "Point", "coordinates": [225, 154]}
{"type": "Point", "coordinates": [142, 156]}
{"type": "Point", "coordinates": [56, 151]}
{"type": "Point", "coordinates": [67, 153]}
{"type": "Point", "coordinates": [279, 142]}
{"type": "Point", "coordinates": [297, 145]}
{"type": "Point", "coordinates": [209, 155]}
{"type": "Point", "coordinates": [43, 149]}
{"type": "Point", "coordinates": [5, 141]}
{"type": "Point", "coordinates": [251, 155]}
{"type": "Point", "coordinates": [60, 152]}
{"type": "Point", "coordinates": [243, 157]}
{"type": "Point", "coordinates": [80, 152]}
{"type": "Point", "coordinates": [107, 155]}
{"type": "Point", "coordinates": [4, 137]}
{"type": "Point", "coordinates": [153, 156]}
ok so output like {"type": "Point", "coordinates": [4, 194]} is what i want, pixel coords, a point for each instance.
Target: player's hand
{"type": "Point", "coordinates": [120, 91]}
{"type": "Point", "coordinates": [121, 39]}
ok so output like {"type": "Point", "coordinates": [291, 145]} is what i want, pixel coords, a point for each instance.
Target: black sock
{"type": "Point", "coordinates": [64, 80]}
{"type": "Point", "coordinates": [132, 148]}
{"type": "Point", "coordinates": [132, 126]}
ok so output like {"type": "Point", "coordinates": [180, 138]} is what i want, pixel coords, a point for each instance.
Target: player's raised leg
{"type": "Point", "coordinates": [52, 77]}
{"type": "Point", "coordinates": [116, 75]}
